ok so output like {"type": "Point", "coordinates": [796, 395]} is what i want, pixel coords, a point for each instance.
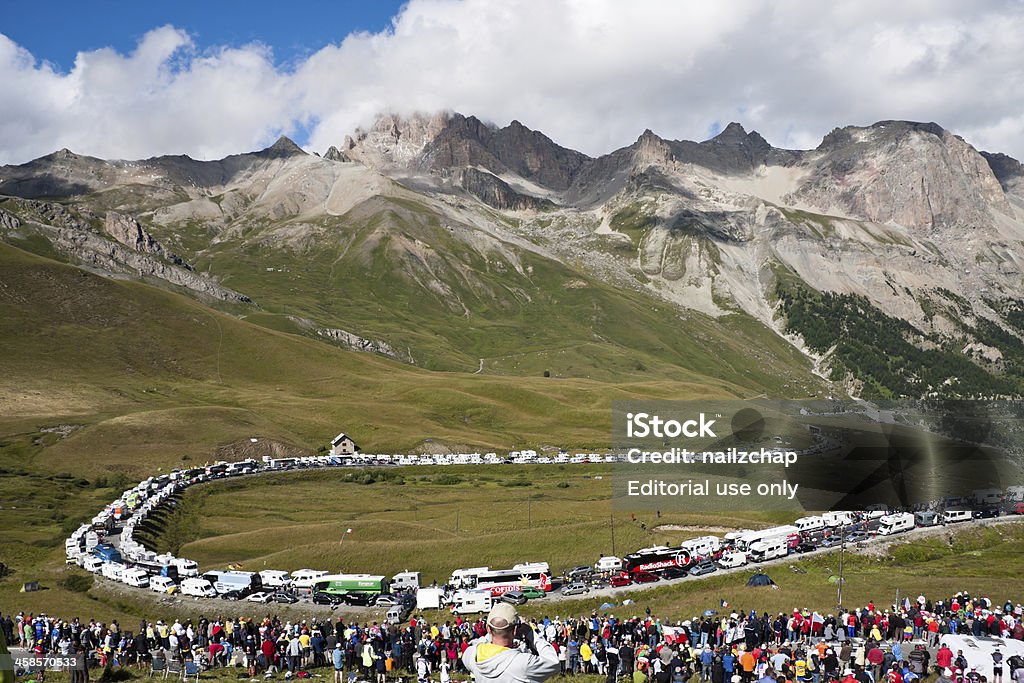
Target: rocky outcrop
{"type": "Point", "coordinates": [129, 232]}
{"type": "Point", "coordinates": [494, 191]}
{"type": "Point", "coordinates": [334, 154]}
{"type": "Point", "coordinates": [357, 343]}
{"type": "Point", "coordinates": [1008, 171]}
{"type": "Point", "coordinates": [916, 175]}
{"type": "Point", "coordinates": [70, 235]}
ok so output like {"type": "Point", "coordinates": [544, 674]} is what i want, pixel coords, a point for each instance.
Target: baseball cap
{"type": "Point", "coordinates": [502, 616]}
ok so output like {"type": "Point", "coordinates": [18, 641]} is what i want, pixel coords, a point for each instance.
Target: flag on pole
{"type": "Point", "coordinates": [348, 531]}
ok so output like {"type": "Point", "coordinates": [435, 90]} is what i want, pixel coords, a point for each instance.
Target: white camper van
{"type": "Point", "coordinates": [200, 588]}
{"type": "Point", "coordinates": [305, 578]}
{"type": "Point", "coordinates": [91, 563]}
{"type": "Point", "coordinates": [471, 602]}
{"type": "Point", "coordinates": [608, 564]}
{"type": "Point", "coordinates": [275, 578]}
{"type": "Point", "coordinates": [838, 518]}
{"type": "Point", "coordinates": [954, 516]}
{"type": "Point", "coordinates": [809, 524]}
{"type": "Point", "coordinates": [769, 549]}
{"type": "Point", "coordinates": [162, 584]}
{"type": "Point", "coordinates": [135, 577]}
{"type": "Point", "coordinates": [405, 580]}
{"type": "Point", "coordinates": [895, 524]}
{"type": "Point", "coordinates": [113, 570]}
{"type": "Point", "coordinates": [186, 567]}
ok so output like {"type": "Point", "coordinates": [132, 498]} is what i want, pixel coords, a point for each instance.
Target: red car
{"type": "Point", "coordinates": [619, 580]}
{"type": "Point", "coordinates": [645, 577]}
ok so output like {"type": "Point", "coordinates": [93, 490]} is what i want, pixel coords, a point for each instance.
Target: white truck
{"type": "Point", "coordinates": [895, 524]}
{"type": "Point", "coordinates": [429, 598]}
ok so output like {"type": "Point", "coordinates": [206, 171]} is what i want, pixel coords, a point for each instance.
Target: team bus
{"type": "Point", "coordinates": [655, 559]}
{"type": "Point", "coordinates": [501, 581]}
{"type": "Point", "coordinates": [343, 584]}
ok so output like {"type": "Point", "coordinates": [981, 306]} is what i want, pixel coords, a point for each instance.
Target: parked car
{"type": "Point", "coordinates": [985, 513]}
{"type": "Point", "coordinates": [575, 588]}
{"type": "Point", "coordinates": [387, 601]}
{"type": "Point", "coordinates": [702, 568]}
{"type": "Point", "coordinates": [284, 598]}
{"type": "Point", "coordinates": [261, 596]}
{"type": "Point", "coordinates": [532, 592]}
{"type": "Point", "coordinates": [321, 598]}
{"type": "Point", "coordinates": [579, 572]}
{"type": "Point", "coordinates": [672, 573]}
{"type": "Point", "coordinates": [645, 577]}
{"type": "Point", "coordinates": [619, 580]}
{"type": "Point", "coordinates": [857, 537]}
{"type": "Point", "coordinates": [357, 599]}
{"type": "Point", "coordinates": [514, 598]}
{"type": "Point", "coordinates": [805, 547]}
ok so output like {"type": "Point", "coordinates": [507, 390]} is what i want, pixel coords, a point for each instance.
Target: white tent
{"type": "Point", "coordinates": [978, 651]}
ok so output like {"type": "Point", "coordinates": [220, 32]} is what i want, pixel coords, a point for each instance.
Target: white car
{"type": "Point", "coordinates": [261, 596]}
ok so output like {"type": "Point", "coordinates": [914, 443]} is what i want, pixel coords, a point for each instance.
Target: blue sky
{"type": "Point", "coordinates": [220, 77]}
{"type": "Point", "coordinates": [57, 31]}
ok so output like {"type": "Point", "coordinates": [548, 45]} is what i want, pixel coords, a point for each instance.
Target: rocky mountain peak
{"type": "Point", "coordinates": [334, 154]}
{"type": "Point", "coordinates": [1008, 171]}
{"type": "Point", "coordinates": [734, 132]}
{"type": "Point", "coordinates": [394, 140]}
{"type": "Point", "coordinates": [282, 148]}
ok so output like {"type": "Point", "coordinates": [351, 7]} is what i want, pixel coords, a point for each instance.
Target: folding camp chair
{"type": "Point", "coordinates": [191, 671]}
{"type": "Point", "coordinates": [158, 666]}
{"type": "Point", "coordinates": [173, 668]}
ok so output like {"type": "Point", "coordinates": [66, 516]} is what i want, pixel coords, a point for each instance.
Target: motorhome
{"type": "Point", "coordinates": [769, 549]}
{"type": "Point", "coordinates": [787, 531]}
{"type": "Point", "coordinates": [608, 564]}
{"type": "Point", "coordinates": [135, 577]}
{"type": "Point", "coordinates": [809, 524]}
{"type": "Point", "coordinates": [838, 518]}
{"type": "Point", "coordinates": [702, 547]}
{"type": "Point", "coordinates": [895, 524]}
{"type": "Point", "coordinates": [954, 516]}
{"type": "Point", "coordinates": [186, 567]}
{"type": "Point", "coordinates": [158, 568]}
{"type": "Point", "coordinates": [91, 563]}
{"type": "Point", "coordinates": [107, 553]}
{"type": "Point", "coordinates": [304, 578]}
{"type": "Point", "coordinates": [275, 578]}
{"type": "Point", "coordinates": [162, 584]}
{"type": "Point", "coordinates": [466, 578]}
{"type": "Point", "coordinates": [113, 570]}
{"type": "Point", "coordinates": [733, 559]}
{"type": "Point", "coordinates": [225, 582]}
{"type": "Point", "coordinates": [987, 497]}
{"type": "Point", "coordinates": [927, 518]}
{"type": "Point", "coordinates": [471, 602]}
{"type": "Point", "coordinates": [404, 580]}
{"type": "Point", "coordinates": [196, 587]}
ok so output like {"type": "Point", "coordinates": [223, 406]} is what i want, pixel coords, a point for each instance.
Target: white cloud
{"type": "Point", "coordinates": [592, 74]}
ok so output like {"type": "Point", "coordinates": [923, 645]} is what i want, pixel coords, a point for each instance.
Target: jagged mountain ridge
{"type": "Point", "coordinates": [906, 216]}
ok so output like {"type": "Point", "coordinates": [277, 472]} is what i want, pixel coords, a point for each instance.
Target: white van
{"type": "Point", "coordinates": [895, 524]}
{"type": "Point", "coordinates": [113, 570]}
{"type": "Point", "coordinates": [305, 578]}
{"type": "Point", "coordinates": [838, 518]}
{"type": "Point", "coordinates": [275, 578]}
{"type": "Point", "coordinates": [405, 580]}
{"type": "Point", "coordinates": [135, 577]}
{"type": "Point", "coordinates": [608, 564]}
{"type": "Point", "coordinates": [186, 567]}
{"type": "Point", "coordinates": [954, 516]}
{"type": "Point", "coordinates": [808, 524]}
{"type": "Point", "coordinates": [769, 549]}
{"type": "Point", "coordinates": [730, 560]}
{"type": "Point", "coordinates": [91, 563]}
{"type": "Point", "coordinates": [471, 602]}
{"type": "Point", "coordinates": [200, 588]}
{"type": "Point", "coordinates": [162, 584]}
